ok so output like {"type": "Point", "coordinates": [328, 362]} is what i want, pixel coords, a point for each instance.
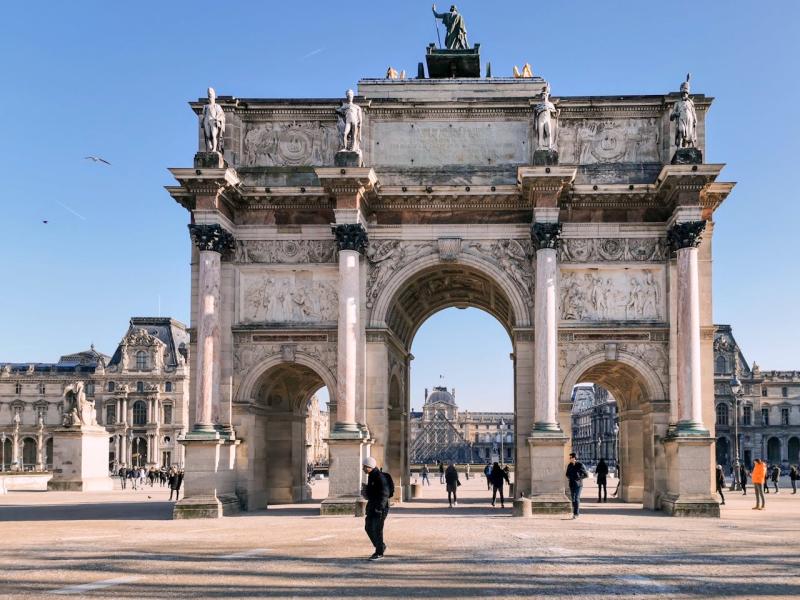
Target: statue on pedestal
{"type": "Point", "coordinates": [544, 127]}
{"type": "Point", "coordinates": [456, 37]}
{"type": "Point", "coordinates": [213, 120]}
{"type": "Point", "coordinates": [349, 119]}
{"type": "Point", "coordinates": [684, 113]}
{"type": "Point", "coordinates": [78, 409]}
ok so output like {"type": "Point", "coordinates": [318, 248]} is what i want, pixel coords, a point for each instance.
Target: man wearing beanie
{"type": "Point", "coordinates": [377, 492]}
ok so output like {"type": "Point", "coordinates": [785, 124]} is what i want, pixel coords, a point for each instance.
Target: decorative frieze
{"type": "Point", "coordinates": [387, 257]}
{"type": "Point", "coordinates": [545, 235]}
{"type": "Point", "coordinates": [686, 235]}
{"type": "Point", "coordinates": [611, 295]}
{"type": "Point", "coordinates": [211, 237]}
{"type": "Point", "coordinates": [351, 236]}
{"type": "Point", "coordinates": [586, 250]}
{"type": "Point", "coordinates": [285, 251]}
{"type": "Point", "coordinates": [274, 299]}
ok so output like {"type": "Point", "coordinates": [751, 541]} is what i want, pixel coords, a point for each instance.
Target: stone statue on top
{"type": "Point", "coordinates": [213, 120]}
{"type": "Point", "coordinates": [456, 38]}
{"type": "Point", "coordinates": [686, 118]}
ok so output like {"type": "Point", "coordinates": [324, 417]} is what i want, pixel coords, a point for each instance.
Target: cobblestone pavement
{"type": "Point", "coordinates": [122, 544]}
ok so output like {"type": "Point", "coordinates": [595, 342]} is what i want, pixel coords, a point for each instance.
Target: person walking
{"type": "Point", "coordinates": [451, 479]}
{"type": "Point", "coordinates": [602, 481]}
{"type": "Point", "coordinates": [133, 474]}
{"type": "Point", "coordinates": [487, 470]}
{"type": "Point", "coordinates": [759, 477]}
{"type": "Point", "coordinates": [720, 482]}
{"type": "Point", "coordinates": [171, 478]}
{"type": "Point", "coordinates": [123, 476]}
{"type": "Point", "coordinates": [466, 471]}
{"type": "Point", "coordinates": [441, 472]}
{"type": "Point", "coordinates": [575, 474]}
{"type": "Point", "coordinates": [743, 479]}
{"type": "Point", "coordinates": [794, 475]}
{"type": "Point", "coordinates": [377, 492]}
{"type": "Point", "coordinates": [424, 474]}
{"type": "Point", "coordinates": [497, 476]}
{"type": "Point", "coordinates": [776, 475]}
{"type": "Point", "coordinates": [766, 479]}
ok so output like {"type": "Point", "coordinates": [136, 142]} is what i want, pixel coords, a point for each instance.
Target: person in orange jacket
{"type": "Point", "coordinates": [759, 477]}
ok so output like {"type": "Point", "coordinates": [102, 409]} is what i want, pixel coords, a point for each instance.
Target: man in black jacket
{"type": "Point", "coordinates": [377, 493]}
{"type": "Point", "coordinates": [576, 473]}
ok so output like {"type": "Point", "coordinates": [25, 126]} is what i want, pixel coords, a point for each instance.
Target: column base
{"type": "Point", "coordinates": [689, 477]}
{"type": "Point", "coordinates": [346, 450]}
{"type": "Point", "coordinates": [690, 428]}
{"type": "Point", "coordinates": [206, 507]}
{"type": "Point", "coordinates": [210, 477]}
{"type": "Point", "coordinates": [547, 473]}
{"type": "Point", "coordinates": [343, 507]}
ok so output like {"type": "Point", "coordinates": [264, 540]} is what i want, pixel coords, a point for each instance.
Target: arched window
{"type": "Point", "coordinates": [139, 413]}
{"type": "Point", "coordinates": [139, 386]}
{"type": "Point", "coordinates": [42, 388]}
{"type": "Point", "coordinates": [141, 360]}
{"type": "Point", "coordinates": [722, 414]}
{"type": "Point", "coordinates": [721, 365]}
{"type": "Point", "coordinates": [168, 386]}
{"type": "Point", "coordinates": [110, 386]}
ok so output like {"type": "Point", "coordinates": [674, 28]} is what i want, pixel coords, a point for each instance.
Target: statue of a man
{"type": "Point", "coordinates": [684, 113]}
{"type": "Point", "coordinates": [213, 120]}
{"type": "Point", "coordinates": [544, 115]}
{"type": "Point", "coordinates": [456, 38]}
{"type": "Point", "coordinates": [350, 117]}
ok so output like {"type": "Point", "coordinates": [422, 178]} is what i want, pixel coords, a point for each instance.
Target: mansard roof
{"type": "Point", "coordinates": [171, 332]}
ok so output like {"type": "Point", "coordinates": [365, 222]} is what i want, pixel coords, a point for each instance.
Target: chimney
{"type": "Point", "coordinates": [426, 394]}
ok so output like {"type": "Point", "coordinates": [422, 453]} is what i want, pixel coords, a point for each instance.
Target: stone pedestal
{"type": "Point", "coordinates": [687, 156]}
{"type": "Point", "coordinates": [81, 454]}
{"type": "Point", "coordinates": [348, 158]}
{"type": "Point", "coordinates": [545, 158]}
{"type": "Point", "coordinates": [416, 490]}
{"type": "Point", "coordinates": [209, 483]}
{"type": "Point", "coordinates": [547, 473]}
{"type": "Point", "coordinates": [522, 508]}
{"type": "Point", "coordinates": [445, 63]}
{"type": "Point", "coordinates": [209, 160]}
{"type": "Point", "coordinates": [344, 493]}
{"type": "Point", "coordinates": [689, 477]}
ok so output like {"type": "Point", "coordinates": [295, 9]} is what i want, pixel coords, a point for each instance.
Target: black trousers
{"type": "Point", "coordinates": [744, 487]}
{"type": "Point", "coordinates": [602, 491]}
{"type": "Point", "coordinates": [719, 491]}
{"type": "Point", "coordinates": [373, 525]}
{"type": "Point", "coordinates": [495, 489]}
{"type": "Point", "coordinates": [575, 496]}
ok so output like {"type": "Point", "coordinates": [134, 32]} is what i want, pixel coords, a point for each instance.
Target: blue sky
{"type": "Point", "coordinates": [113, 79]}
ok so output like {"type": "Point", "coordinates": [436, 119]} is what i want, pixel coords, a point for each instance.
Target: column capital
{"type": "Point", "coordinates": [351, 236]}
{"type": "Point", "coordinates": [546, 235]}
{"type": "Point", "coordinates": [687, 234]}
{"type": "Point", "coordinates": [211, 237]}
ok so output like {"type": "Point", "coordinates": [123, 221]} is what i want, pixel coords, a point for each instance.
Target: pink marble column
{"type": "Point", "coordinates": [211, 241]}
{"type": "Point", "coordinates": [684, 238]}
{"type": "Point", "coordinates": [545, 411]}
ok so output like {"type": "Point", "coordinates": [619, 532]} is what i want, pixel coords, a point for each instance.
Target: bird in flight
{"type": "Point", "coordinates": [97, 159]}
{"type": "Point", "coordinates": [45, 222]}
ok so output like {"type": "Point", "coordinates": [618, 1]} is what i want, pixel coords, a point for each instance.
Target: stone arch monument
{"type": "Point", "coordinates": [315, 262]}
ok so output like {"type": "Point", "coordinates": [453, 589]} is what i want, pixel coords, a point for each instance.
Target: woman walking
{"type": "Point", "coordinates": [720, 482]}
{"type": "Point", "coordinates": [602, 476]}
{"type": "Point", "coordinates": [451, 479]}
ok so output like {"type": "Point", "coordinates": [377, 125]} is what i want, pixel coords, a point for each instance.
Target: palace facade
{"type": "Point", "coordinates": [595, 424]}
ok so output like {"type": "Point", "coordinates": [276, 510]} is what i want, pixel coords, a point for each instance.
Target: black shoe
{"type": "Point", "coordinates": [376, 556]}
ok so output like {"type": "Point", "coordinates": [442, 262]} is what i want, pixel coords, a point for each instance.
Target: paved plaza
{"type": "Point", "coordinates": [123, 544]}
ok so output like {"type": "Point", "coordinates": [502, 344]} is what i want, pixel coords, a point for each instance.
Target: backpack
{"type": "Point", "coordinates": [388, 484]}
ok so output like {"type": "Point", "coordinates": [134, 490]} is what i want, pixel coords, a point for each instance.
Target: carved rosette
{"type": "Point", "coordinates": [212, 238]}
{"type": "Point", "coordinates": [546, 235]}
{"type": "Point", "coordinates": [351, 236]}
{"type": "Point", "coordinates": [685, 235]}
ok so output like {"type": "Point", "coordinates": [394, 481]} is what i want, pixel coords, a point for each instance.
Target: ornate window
{"type": "Point", "coordinates": [90, 389]}
{"type": "Point", "coordinates": [785, 392]}
{"type": "Point", "coordinates": [168, 386]}
{"type": "Point", "coordinates": [167, 414]}
{"type": "Point", "coordinates": [747, 415]}
{"type": "Point", "coordinates": [139, 413]}
{"type": "Point", "coordinates": [784, 416]}
{"type": "Point", "coordinates": [139, 386]}
{"type": "Point", "coordinates": [721, 365]}
{"type": "Point", "coordinates": [763, 391]}
{"type": "Point", "coordinates": [765, 416]}
{"type": "Point", "coordinates": [18, 388]}
{"type": "Point", "coordinates": [42, 388]}
{"type": "Point", "coordinates": [111, 414]}
{"type": "Point", "coordinates": [722, 414]}
{"type": "Point", "coordinates": [141, 360]}
{"type": "Point", "coordinates": [110, 387]}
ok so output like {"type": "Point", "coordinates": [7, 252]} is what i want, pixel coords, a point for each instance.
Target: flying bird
{"type": "Point", "coordinates": [45, 222]}
{"type": "Point", "coordinates": [97, 159]}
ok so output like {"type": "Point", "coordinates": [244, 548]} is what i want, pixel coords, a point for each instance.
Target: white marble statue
{"type": "Point", "coordinates": [350, 117]}
{"type": "Point", "coordinates": [544, 121]}
{"type": "Point", "coordinates": [78, 409]}
{"type": "Point", "coordinates": [686, 118]}
{"type": "Point", "coordinates": [213, 120]}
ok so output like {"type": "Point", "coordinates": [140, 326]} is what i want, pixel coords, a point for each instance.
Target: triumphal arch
{"type": "Point", "coordinates": [326, 231]}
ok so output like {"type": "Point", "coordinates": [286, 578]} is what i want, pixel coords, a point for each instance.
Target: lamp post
{"type": "Point", "coordinates": [736, 397]}
{"type": "Point", "coordinates": [616, 445]}
{"type": "Point", "coordinates": [3, 443]}
{"type": "Point", "coordinates": [502, 440]}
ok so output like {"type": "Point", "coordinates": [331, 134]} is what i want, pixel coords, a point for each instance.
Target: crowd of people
{"type": "Point", "coordinates": [139, 477]}
{"type": "Point", "coordinates": [761, 476]}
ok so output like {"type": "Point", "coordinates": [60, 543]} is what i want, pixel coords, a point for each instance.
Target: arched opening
{"type": "Point", "coordinates": [48, 454]}
{"type": "Point", "coordinates": [139, 451]}
{"type": "Point", "coordinates": [774, 450]}
{"type": "Point", "coordinates": [794, 450]}
{"type": "Point", "coordinates": [723, 452]}
{"type": "Point", "coordinates": [28, 453]}
{"type": "Point", "coordinates": [8, 453]}
{"type": "Point", "coordinates": [285, 419]}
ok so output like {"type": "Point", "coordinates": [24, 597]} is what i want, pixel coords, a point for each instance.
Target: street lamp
{"type": "Point", "coordinates": [3, 464]}
{"type": "Point", "coordinates": [502, 439]}
{"type": "Point", "coordinates": [737, 393]}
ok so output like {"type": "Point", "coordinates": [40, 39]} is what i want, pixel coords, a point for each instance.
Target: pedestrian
{"type": "Point", "coordinates": [451, 479]}
{"type": "Point", "coordinates": [497, 475]}
{"type": "Point", "coordinates": [377, 491]}
{"type": "Point", "coordinates": [794, 475]}
{"type": "Point", "coordinates": [776, 475]}
{"type": "Point", "coordinates": [123, 476]}
{"type": "Point", "coordinates": [441, 472]}
{"type": "Point", "coordinates": [759, 478]}
{"type": "Point", "coordinates": [720, 482]}
{"type": "Point", "coordinates": [424, 473]}
{"type": "Point", "coordinates": [602, 476]}
{"type": "Point", "coordinates": [486, 472]}
{"type": "Point", "coordinates": [766, 482]}
{"type": "Point", "coordinates": [133, 474]}
{"type": "Point", "coordinates": [178, 482]}
{"type": "Point", "coordinates": [743, 478]}
{"type": "Point", "coordinates": [171, 478]}
{"type": "Point", "coordinates": [575, 474]}
{"type": "Point", "coordinates": [466, 471]}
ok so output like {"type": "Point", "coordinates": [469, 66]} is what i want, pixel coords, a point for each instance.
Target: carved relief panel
{"type": "Point", "coordinates": [287, 296]}
{"type": "Point", "coordinates": [285, 251]}
{"type": "Point", "coordinates": [612, 294]}
{"type": "Point", "coordinates": [289, 144]}
{"type": "Point", "coordinates": [592, 141]}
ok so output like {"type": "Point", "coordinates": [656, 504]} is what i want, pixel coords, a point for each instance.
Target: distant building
{"type": "Point", "coordinates": [769, 409]}
{"type": "Point", "coordinates": [141, 396]}
{"type": "Point", "coordinates": [317, 431]}
{"type": "Point", "coordinates": [595, 424]}
{"type": "Point", "coordinates": [441, 432]}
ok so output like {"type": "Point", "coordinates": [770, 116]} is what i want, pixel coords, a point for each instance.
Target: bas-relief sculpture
{"type": "Point", "coordinates": [277, 144]}
{"type": "Point", "coordinates": [512, 256]}
{"type": "Point", "coordinates": [213, 121]}
{"type": "Point", "coordinates": [78, 408]}
{"type": "Point", "coordinates": [245, 356]}
{"type": "Point", "coordinates": [288, 251]}
{"type": "Point", "coordinates": [350, 118]}
{"type": "Point", "coordinates": [456, 37]}
{"type": "Point", "coordinates": [611, 295]}
{"type": "Point", "coordinates": [685, 117]}
{"type": "Point", "coordinates": [276, 299]}
{"type": "Point", "coordinates": [386, 257]}
{"type": "Point", "coordinates": [597, 141]}
{"type": "Point", "coordinates": [612, 250]}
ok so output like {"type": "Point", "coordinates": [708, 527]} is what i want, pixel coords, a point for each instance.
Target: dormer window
{"type": "Point", "coordinates": [141, 361]}
{"type": "Point", "coordinates": [139, 386]}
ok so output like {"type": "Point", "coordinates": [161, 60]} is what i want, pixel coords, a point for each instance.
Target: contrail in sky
{"type": "Point", "coordinates": [312, 53]}
{"type": "Point", "coordinates": [65, 207]}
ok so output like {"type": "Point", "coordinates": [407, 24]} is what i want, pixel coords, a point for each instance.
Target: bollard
{"type": "Point", "coordinates": [522, 507]}
{"type": "Point", "coordinates": [511, 490]}
{"type": "Point", "coordinates": [416, 490]}
{"type": "Point", "coordinates": [361, 507]}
